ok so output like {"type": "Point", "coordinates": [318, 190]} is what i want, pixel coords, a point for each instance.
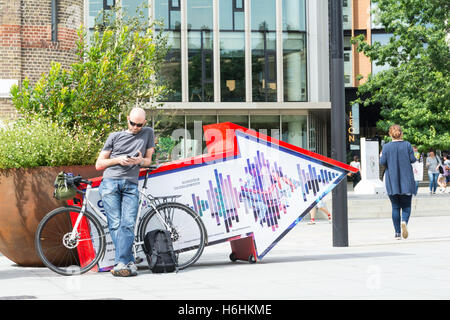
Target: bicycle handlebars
{"type": "Point", "coordinates": [76, 180]}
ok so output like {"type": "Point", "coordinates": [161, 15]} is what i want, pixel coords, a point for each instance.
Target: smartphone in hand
{"type": "Point", "coordinates": [136, 154]}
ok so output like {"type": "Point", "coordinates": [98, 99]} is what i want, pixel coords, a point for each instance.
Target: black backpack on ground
{"type": "Point", "coordinates": [159, 252]}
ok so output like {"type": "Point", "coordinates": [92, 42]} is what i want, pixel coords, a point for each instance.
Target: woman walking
{"type": "Point", "coordinates": [433, 173]}
{"type": "Point", "coordinates": [397, 157]}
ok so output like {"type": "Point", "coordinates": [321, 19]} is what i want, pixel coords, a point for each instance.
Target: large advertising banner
{"type": "Point", "coordinates": [248, 185]}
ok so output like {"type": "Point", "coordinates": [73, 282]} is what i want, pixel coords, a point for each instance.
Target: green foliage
{"type": "Point", "coordinates": [41, 142]}
{"type": "Point", "coordinates": [164, 147]}
{"type": "Point", "coordinates": [67, 114]}
{"type": "Point", "coordinates": [415, 91]}
{"type": "Point", "coordinates": [116, 71]}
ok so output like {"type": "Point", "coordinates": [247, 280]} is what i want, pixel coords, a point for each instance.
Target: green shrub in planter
{"type": "Point", "coordinates": [42, 142]}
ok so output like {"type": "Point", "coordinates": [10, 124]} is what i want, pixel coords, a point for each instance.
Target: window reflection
{"type": "Point", "coordinates": [264, 75]}
{"type": "Point", "coordinates": [294, 17]}
{"type": "Point", "coordinates": [200, 50]}
{"type": "Point", "coordinates": [232, 66]}
{"type": "Point", "coordinates": [170, 132]}
{"type": "Point", "coordinates": [241, 120]}
{"type": "Point", "coordinates": [195, 142]}
{"type": "Point", "coordinates": [168, 13]}
{"type": "Point", "coordinates": [170, 73]}
{"type": "Point", "coordinates": [294, 130]}
{"type": "Point", "coordinates": [294, 66]}
{"type": "Point", "coordinates": [264, 68]}
{"type": "Point", "coordinates": [294, 50]}
{"type": "Point", "coordinates": [232, 51]}
{"type": "Point", "coordinates": [134, 8]}
{"type": "Point", "coordinates": [266, 124]}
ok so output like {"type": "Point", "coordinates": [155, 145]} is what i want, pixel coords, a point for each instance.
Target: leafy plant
{"type": "Point", "coordinates": [42, 142]}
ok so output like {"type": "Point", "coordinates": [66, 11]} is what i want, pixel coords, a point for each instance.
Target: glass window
{"type": "Point", "coordinates": [348, 67]}
{"type": "Point", "coordinates": [95, 6]}
{"type": "Point", "coordinates": [232, 66]}
{"type": "Point", "coordinates": [200, 50]}
{"type": "Point", "coordinates": [232, 50]}
{"type": "Point", "coordinates": [168, 11]}
{"type": "Point", "coordinates": [170, 73]}
{"type": "Point", "coordinates": [231, 15]}
{"type": "Point", "coordinates": [199, 14]}
{"type": "Point", "coordinates": [383, 39]}
{"type": "Point", "coordinates": [133, 8]}
{"type": "Point", "coordinates": [263, 15]}
{"type": "Point", "coordinates": [240, 120]}
{"type": "Point", "coordinates": [266, 124]}
{"type": "Point", "coordinates": [170, 126]}
{"type": "Point", "coordinates": [294, 130]}
{"type": "Point", "coordinates": [294, 17]}
{"type": "Point", "coordinates": [95, 15]}
{"type": "Point", "coordinates": [294, 66]}
{"type": "Point", "coordinates": [195, 142]}
{"type": "Point", "coordinates": [264, 67]}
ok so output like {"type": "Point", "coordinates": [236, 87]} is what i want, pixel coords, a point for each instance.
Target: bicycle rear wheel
{"type": "Point", "coordinates": [188, 232]}
{"type": "Point", "coordinates": [62, 254]}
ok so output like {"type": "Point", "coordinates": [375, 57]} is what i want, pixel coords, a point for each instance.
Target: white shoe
{"type": "Point", "coordinates": [404, 230]}
{"type": "Point", "coordinates": [133, 268]}
{"type": "Point", "coordinates": [312, 221]}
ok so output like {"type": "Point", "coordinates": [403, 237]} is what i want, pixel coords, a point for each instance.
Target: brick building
{"type": "Point", "coordinates": [33, 33]}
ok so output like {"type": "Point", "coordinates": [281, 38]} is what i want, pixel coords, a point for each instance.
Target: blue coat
{"type": "Point", "coordinates": [397, 157]}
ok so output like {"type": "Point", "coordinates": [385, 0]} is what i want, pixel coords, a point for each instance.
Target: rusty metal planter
{"type": "Point", "coordinates": [26, 195]}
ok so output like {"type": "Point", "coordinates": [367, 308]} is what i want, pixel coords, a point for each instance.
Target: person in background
{"type": "Point", "coordinates": [356, 177]}
{"type": "Point", "coordinates": [446, 168]}
{"type": "Point", "coordinates": [417, 170]}
{"type": "Point", "coordinates": [397, 157]}
{"type": "Point", "coordinates": [433, 173]}
{"type": "Point", "coordinates": [322, 207]}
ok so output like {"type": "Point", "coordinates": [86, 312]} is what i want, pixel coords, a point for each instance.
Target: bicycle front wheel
{"type": "Point", "coordinates": [67, 251]}
{"type": "Point", "coordinates": [187, 230]}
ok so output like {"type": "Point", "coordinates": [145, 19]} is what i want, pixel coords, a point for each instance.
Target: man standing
{"type": "Point", "coordinates": [122, 156]}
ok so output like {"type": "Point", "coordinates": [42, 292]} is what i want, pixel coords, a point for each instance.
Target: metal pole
{"type": "Point", "coordinates": [54, 18]}
{"type": "Point", "coordinates": [338, 143]}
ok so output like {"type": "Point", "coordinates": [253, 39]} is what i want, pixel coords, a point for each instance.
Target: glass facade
{"type": "Point", "coordinates": [187, 130]}
{"type": "Point", "coordinates": [200, 23]}
{"type": "Point", "coordinates": [223, 53]}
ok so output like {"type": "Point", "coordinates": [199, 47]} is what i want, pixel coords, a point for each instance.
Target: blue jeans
{"type": "Point", "coordinates": [120, 199]}
{"type": "Point", "coordinates": [433, 181]}
{"type": "Point", "coordinates": [400, 202]}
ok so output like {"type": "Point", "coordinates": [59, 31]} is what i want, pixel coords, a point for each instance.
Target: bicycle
{"type": "Point", "coordinates": [71, 240]}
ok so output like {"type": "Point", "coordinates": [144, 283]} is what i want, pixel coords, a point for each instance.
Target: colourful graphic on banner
{"type": "Point", "coordinates": [264, 191]}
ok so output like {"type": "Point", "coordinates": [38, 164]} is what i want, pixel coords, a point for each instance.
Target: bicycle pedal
{"type": "Point", "coordinates": [139, 260]}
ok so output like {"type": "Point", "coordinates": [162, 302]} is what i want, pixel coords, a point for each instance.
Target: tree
{"type": "Point", "coordinates": [115, 71]}
{"type": "Point", "coordinates": [414, 91]}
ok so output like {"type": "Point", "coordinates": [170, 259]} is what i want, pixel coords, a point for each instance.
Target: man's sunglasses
{"type": "Point", "coordinates": [135, 124]}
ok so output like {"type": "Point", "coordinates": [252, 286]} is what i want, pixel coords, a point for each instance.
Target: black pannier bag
{"type": "Point", "coordinates": [158, 249]}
